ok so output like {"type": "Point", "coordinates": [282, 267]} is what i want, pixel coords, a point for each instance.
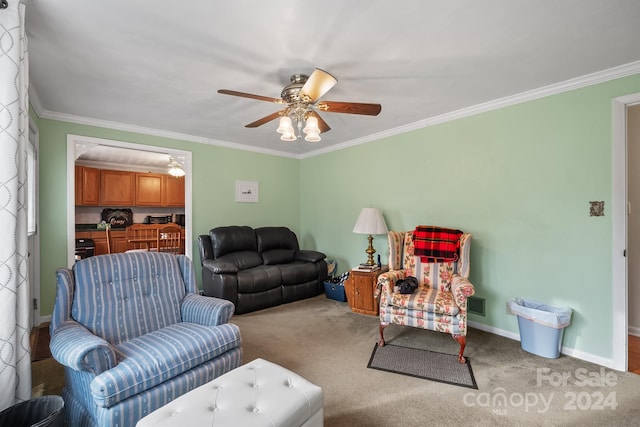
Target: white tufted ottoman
{"type": "Point", "coordinates": [259, 393]}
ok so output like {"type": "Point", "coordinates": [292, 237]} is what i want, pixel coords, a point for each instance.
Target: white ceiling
{"type": "Point", "coordinates": [108, 156]}
{"type": "Point", "coordinates": [155, 66]}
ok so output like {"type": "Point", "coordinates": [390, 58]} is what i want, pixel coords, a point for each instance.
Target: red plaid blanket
{"type": "Point", "coordinates": [436, 244]}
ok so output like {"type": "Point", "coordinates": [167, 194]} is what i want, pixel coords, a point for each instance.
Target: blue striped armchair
{"type": "Point", "coordinates": [133, 334]}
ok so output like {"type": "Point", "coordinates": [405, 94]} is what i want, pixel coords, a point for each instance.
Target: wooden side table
{"type": "Point", "coordinates": [360, 288]}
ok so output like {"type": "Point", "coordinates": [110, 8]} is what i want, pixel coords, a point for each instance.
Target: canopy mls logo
{"type": "Point", "coordinates": [591, 399]}
{"type": "Point", "coordinates": [581, 378]}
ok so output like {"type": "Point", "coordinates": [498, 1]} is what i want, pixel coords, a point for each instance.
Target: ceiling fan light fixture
{"type": "Point", "coordinates": [301, 98]}
{"type": "Point", "coordinates": [288, 136]}
{"type": "Point", "coordinates": [284, 125]}
{"type": "Point", "coordinates": [312, 137]}
{"type": "Point", "coordinates": [312, 126]}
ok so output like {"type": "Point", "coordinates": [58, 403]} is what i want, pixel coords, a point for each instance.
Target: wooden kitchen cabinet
{"type": "Point", "coordinates": [117, 240]}
{"type": "Point", "coordinates": [117, 188]}
{"type": "Point", "coordinates": [99, 240]}
{"type": "Point", "coordinates": [174, 191]}
{"type": "Point", "coordinates": [360, 288]}
{"type": "Point", "coordinates": [103, 187]}
{"type": "Point", "coordinates": [150, 189]}
{"type": "Point", "coordinates": [87, 186]}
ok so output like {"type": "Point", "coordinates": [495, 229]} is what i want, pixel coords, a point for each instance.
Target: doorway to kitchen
{"type": "Point", "coordinates": [77, 143]}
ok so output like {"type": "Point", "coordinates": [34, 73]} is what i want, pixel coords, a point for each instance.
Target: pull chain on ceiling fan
{"type": "Point", "coordinates": [302, 97]}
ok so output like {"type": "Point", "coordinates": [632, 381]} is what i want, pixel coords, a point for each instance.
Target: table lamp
{"type": "Point", "coordinates": [370, 221]}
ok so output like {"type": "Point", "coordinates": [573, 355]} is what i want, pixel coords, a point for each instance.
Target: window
{"type": "Point", "coordinates": [32, 165]}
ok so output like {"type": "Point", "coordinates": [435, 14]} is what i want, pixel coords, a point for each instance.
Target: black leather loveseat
{"type": "Point", "coordinates": [259, 268]}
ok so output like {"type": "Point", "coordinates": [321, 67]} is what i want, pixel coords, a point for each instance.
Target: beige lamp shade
{"type": "Point", "coordinates": [370, 221]}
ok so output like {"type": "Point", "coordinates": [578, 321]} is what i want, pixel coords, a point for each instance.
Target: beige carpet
{"type": "Point", "coordinates": [325, 342]}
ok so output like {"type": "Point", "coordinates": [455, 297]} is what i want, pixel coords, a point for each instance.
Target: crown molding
{"type": "Point", "coordinates": [554, 89]}
{"type": "Point", "coordinates": [89, 121]}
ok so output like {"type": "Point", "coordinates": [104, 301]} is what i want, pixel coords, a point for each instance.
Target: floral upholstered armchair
{"type": "Point", "coordinates": [440, 301]}
{"type": "Point", "coordinates": [133, 334]}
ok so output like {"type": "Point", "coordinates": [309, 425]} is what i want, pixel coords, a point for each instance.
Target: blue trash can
{"type": "Point", "coordinates": [541, 326]}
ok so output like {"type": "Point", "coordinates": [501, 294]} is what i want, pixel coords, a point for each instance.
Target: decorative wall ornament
{"type": "Point", "coordinates": [596, 208]}
{"type": "Point", "coordinates": [247, 191]}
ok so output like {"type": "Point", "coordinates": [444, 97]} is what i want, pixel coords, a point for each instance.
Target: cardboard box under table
{"type": "Point", "coordinates": [259, 393]}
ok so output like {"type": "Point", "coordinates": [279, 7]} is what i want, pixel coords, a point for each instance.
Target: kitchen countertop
{"type": "Point", "coordinates": [94, 227]}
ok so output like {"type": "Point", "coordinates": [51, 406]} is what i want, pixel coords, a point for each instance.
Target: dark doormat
{"type": "Point", "coordinates": [426, 364]}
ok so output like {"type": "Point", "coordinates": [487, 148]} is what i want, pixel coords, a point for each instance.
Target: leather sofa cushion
{"type": "Point", "coordinates": [258, 279]}
{"type": "Point", "coordinates": [298, 272]}
{"type": "Point", "coordinates": [225, 240]}
{"type": "Point", "coordinates": [276, 238]}
{"type": "Point", "coordinates": [242, 259]}
{"type": "Point", "coordinates": [278, 256]}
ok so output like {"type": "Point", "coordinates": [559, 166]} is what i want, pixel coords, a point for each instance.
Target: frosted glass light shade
{"type": "Point", "coordinates": [177, 172]}
{"type": "Point", "coordinates": [288, 136]}
{"type": "Point", "coordinates": [285, 125]}
{"type": "Point", "coordinates": [312, 125]}
{"type": "Point", "coordinates": [312, 137]}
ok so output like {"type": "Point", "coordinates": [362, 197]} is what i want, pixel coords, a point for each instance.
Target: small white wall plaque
{"type": "Point", "coordinates": [247, 191]}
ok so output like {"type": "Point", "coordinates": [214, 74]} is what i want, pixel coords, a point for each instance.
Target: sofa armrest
{"type": "Point", "coordinates": [75, 346]}
{"type": "Point", "coordinates": [309, 256]}
{"type": "Point", "coordinates": [208, 311]}
{"type": "Point", "coordinates": [220, 267]}
{"type": "Point", "coordinates": [205, 248]}
{"type": "Point", "coordinates": [387, 280]}
{"type": "Point", "coordinates": [461, 288]}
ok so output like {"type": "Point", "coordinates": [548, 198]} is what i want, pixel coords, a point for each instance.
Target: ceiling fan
{"type": "Point", "coordinates": [302, 100]}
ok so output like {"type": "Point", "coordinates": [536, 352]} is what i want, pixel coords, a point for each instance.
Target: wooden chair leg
{"type": "Point", "coordinates": [462, 340]}
{"type": "Point", "coordinates": [382, 326]}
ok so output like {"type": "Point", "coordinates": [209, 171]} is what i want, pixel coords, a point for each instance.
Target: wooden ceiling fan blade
{"type": "Point", "coordinates": [318, 83]}
{"type": "Point", "coordinates": [250, 95]}
{"type": "Point", "coordinates": [322, 125]}
{"type": "Point", "coordinates": [265, 119]}
{"type": "Point", "coordinates": [350, 108]}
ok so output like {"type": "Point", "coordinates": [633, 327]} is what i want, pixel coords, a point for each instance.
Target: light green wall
{"type": "Point", "coordinates": [215, 171]}
{"type": "Point", "coordinates": [519, 179]}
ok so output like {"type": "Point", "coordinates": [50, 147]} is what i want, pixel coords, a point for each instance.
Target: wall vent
{"type": "Point", "coordinates": [476, 305]}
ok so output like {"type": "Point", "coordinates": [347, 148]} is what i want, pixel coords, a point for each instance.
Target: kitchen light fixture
{"type": "Point", "coordinates": [175, 169]}
{"type": "Point", "coordinates": [370, 221]}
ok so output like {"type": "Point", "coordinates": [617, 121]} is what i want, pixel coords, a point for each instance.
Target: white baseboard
{"type": "Point", "coordinates": [496, 331]}
{"type": "Point", "coordinates": [587, 357]}
{"type": "Point", "coordinates": [44, 319]}
{"type": "Point", "coordinates": [634, 330]}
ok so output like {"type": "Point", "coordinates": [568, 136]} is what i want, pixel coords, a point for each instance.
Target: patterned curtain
{"type": "Point", "coordinates": [15, 358]}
